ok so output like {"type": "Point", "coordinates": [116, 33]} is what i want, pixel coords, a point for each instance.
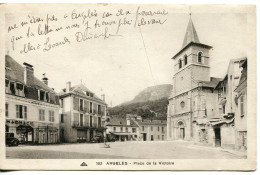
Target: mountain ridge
{"type": "Point", "coordinates": [149, 103]}
{"type": "Point", "coordinates": [151, 93]}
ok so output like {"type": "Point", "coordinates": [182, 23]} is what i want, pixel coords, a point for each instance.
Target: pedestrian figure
{"type": "Point", "coordinates": [105, 143]}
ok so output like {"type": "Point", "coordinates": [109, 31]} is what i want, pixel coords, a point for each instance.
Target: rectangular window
{"type": "Point", "coordinates": [51, 116]}
{"type": "Point", "coordinates": [162, 137]}
{"type": "Point", "coordinates": [126, 129]}
{"type": "Point", "coordinates": [62, 118]}
{"type": "Point", "coordinates": [142, 128]}
{"type": "Point", "coordinates": [90, 122]}
{"type": "Point", "coordinates": [80, 104]}
{"type": "Point", "coordinates": [133, 130]}
{"type": "Point", "coordinates": [6, 110]}
{"type": "Point", "coordinates": [158, 137]}
{"type": "Point", "coordinates": [19, 111]}
{"type": "Point", "coordinates": [151, 128]}
{"type": "Point", "coordinates": [121, 129]}
{"type": "Point", "coordinates": [25, 112]}
{"type": "Point", "coordinates": [151, 137]}
{"type": "Point", "coordinates": [99, 122]}
{"type": "Point", "coordinates": [162, 129]}
{"type": "Point", "coordinates": [114, 129]}
{"type": "Point", "coordinates": [99, 109]}
{"type": "Point", "coordinates": [41, 115]}
{"type": "Point", "coordinates": [81, 120]}
{"type": "Point", "coordinates": [242, 111]}
{"type": "Point", "coordinates": [90, 107]}
{"type": "Point", "coordinates": [158, 128]}
{"type": "Point", "coordinates": [61, 103]}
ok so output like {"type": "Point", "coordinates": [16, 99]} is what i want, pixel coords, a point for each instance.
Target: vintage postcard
{"type": "Point", "coordinates": [128, 87]}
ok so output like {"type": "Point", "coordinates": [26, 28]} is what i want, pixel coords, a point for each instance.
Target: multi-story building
{"type": "Point", "coordinates": [228, 104]}
{"type": "Point", "coordinates": [121, 129]}
{"type": "Point", "coordinates": [193, 101]}
{"type": "Point", "coordinates": [31, 107]}
{"type": "Point", "coordinates": [241, 114]}
{"type": "Point", "coordinates": [82, 114]}
{"type": "Point", "coordinates": [152, 130]}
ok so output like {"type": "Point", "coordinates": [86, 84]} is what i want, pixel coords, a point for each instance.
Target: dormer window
{"type": "Point", "coordinates": [42, 93]}
{"type": "Point", "coordinates": [200, 57]}
{"type": "Point", "coordinates": [180, 65]}
{"type": "Point", "coordinates": [87, 93]}
{"type": "Point", "coordinates": [185, 59]}
{"type": "Point", "coordinates": [12, 88]}
{"type": "Point", "coordinates": [47, 96]}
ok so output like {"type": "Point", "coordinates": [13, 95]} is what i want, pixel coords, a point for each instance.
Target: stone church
{"type": "Point", "coordinates": [193, 103]}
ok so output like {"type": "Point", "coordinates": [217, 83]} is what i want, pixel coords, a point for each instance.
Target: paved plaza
{"type": "Point", "coordinates": [122, 150]}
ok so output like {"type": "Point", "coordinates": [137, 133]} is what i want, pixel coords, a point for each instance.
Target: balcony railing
{"type": "Point", "coordinates": [81, 108]}
{"type": "Point", "coordinates": [100, 113]}
{"type": "Point", "coordinates": [86, 124]}
{"type": "Point", "coordinates": [80, 124]}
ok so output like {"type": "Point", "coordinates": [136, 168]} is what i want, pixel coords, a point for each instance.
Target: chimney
{"type": "Point", "coordinates": [103, 97]}
{"type": "Point", "coordinates": [28, 74]}
{"type": "Point", "coordinates": [68, 86]}
{"type": "Point", "coordinates": [45, 79]}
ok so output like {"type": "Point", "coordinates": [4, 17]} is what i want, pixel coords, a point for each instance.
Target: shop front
{"type": "Point", "coordinates": [46, 134]}
{"type": "Point", "coordinates": [122, 136]}
{"type": "Point", "coordinates": [30, 132]}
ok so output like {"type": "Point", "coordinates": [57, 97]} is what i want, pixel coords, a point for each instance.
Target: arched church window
{"type": "Point", "coordinates": [180, 124]}
{"type": "Point", "coordinates": [185, 59]}
{"type": "Point", "coordinates": [200, 57]}
{"type": "Point", "coordinates": [180, 65]}
{"type": "Point", "coordinates": [182, 104]}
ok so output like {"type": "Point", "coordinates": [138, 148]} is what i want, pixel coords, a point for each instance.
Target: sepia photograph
{"type": "Point", "coordinates": [128, 87]}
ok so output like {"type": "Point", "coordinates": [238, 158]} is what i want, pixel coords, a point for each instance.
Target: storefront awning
{"type": "Point", "coordinates": [122, 133]}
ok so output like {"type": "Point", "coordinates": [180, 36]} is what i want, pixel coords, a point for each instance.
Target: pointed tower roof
{"type": "Point", "coordinates": [191, 39]}
{"type": "Point", "coordinates": [191, 35]}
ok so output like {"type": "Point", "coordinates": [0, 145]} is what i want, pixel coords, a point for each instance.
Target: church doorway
{"type": "Point", "coordinates": [182, 133]}
{"type": "Point", "coordinates": [181, 130]}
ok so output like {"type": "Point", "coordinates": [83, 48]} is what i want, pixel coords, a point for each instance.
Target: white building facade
{"type": "Point", "coordinates": [31, 107]}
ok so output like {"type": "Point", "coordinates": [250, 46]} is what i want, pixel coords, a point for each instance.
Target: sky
{"type": "Point", "coordinates": [118, 66]}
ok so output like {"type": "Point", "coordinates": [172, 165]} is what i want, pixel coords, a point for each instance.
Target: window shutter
{"type": "Point", "coordinates": [17, 111]}
{"type": "Point", "coordinates": [25, 112]}
{"type": "Point", "coordinates": [39, 115]}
